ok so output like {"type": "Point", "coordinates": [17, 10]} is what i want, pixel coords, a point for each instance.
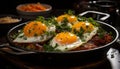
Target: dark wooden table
{"type": "Point", "coordinates": [15, 62]}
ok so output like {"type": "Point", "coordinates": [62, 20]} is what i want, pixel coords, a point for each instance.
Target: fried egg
{"type": "Point", "coordinates": [65, 21]}
{"type": "Point", "coordinates": [70, 18]}
{"type": "Point", "coordinates": [86, 26]}
{"type": "Point", "coordinates": [87, 29]}
{"type": "Point", "coordinates": [66, 41]}
{"type": "Point", "coordinates": [35, 31]}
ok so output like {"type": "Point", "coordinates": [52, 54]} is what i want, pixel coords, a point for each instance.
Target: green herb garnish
{"type": "Point", "coordinates": [49, 48]}
{"type": "Point", "coordinates": [101, 32]}
{"type": "Point", "coordinates": [64, 26]}
{"type": "Point", "coordinates": [40, 18]}
{"type": "Point", "coordinates": [70, 12]}
{"type": "Point", "coordinates": [90, 20]}
{"type": "Point", "coordinates": [80, 32]}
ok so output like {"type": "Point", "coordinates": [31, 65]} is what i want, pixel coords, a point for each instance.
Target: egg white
{"type": "Point", "coordinates": [21, 38]}
{"type": "Point", "coordinates": [86, 37]}
{"type": "Point", "coordinates": [65, 47]}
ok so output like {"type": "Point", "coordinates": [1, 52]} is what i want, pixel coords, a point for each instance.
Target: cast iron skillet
{"type": "Point", "coordinates": [70, 57]}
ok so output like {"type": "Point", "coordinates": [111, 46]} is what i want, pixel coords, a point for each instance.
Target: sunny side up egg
{"type": "Point", "coordinates": [70, 18]}
{"type": "Point", "coordinates": [66, 41]}
{"type": "Point", "coordinates": [35, 31]}
{"type": "Point", "coordinates": [85, 30]}
{"type": "Point", "coordinates": [64, 22]}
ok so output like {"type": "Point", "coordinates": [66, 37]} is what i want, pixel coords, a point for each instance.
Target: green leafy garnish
{"type": "Point", "coordinates": [40, 18]}
{"type": "Point", "coordinates": [50, 33]}
{"type": "Point", "coordinates": [80, 32]}
{"type": "Point", "coordinates": [64, 26]}
{"type": "Point", "coordinates": [101, 32]}
{"type": "Point", "coordinates": [93, 22]}
{"type": "Point", "coordinates": [16, 34]}
{"type": "Point", "coordinates": [80, 18]}
{"type": "Point", "coordinates": [49, 48]}
{"type": "Point", "coordinates": [51, 21]}
{"type": "Point", "coordinates": [70, 12]}
{"type": "Point", "coordinates": [90, 20]}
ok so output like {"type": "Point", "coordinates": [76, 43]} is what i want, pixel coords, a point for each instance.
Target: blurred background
{"type": "Point", "coordinates": [10, 5]}
{"type": "Point", "coordinates": [109, 6]}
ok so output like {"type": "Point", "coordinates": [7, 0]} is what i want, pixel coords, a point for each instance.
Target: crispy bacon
{"type": "Point", "coordinates": [96, 41]}
{"type": "Point", "coordinates": [102, 41]}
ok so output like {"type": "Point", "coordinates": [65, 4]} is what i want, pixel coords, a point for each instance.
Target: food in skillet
{"type": "Point", "coordinates": [81, 34]}
{"type": "Point", "coordinates": [69, 41]}
{"type": "Point", "coordinates": [65, 22]}
{"type": "Point", "coordinates": [35, 31]}
{"type": "Point", "coordinates": [70, 18]}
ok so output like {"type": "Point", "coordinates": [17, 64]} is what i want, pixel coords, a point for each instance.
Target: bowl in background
{"type": "Point", "coordinates": [7, 21]}
{"type": "Point", "coordinates": [33, 9]}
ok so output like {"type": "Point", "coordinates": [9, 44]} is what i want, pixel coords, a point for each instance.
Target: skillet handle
{"type": "Point", "coordinates": [14, 51]}
{"type": "Point", "coordinates": [106, 16]}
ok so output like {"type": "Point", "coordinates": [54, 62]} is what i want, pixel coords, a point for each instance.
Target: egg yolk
{"type": "Point", "coordinates": [65, 38]}
{"type": "Point", "coordinates": [60, 18]}
{"type": "Point", "coordinates": [34, 28]}
{"type": "Point", "coordinates": [87, 27]}
{"type": "Point", "coordinates": [70, 18]}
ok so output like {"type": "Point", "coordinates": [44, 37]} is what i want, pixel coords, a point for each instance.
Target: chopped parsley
{"type": "Point", "coordinates": [93, 22]}
{"type": "Point", "coordinates": [21, 36]}
{"type": "Point", "coordinates": [16, 34]}
{"type": "Point", "coordinates": [25, 38]}
{"type": "Point", "coordinates": [70, 12]}
{"type": "Point", "coordinates": [49, 48]}
{"type": "Point", "coordinates": [90, 20]}
{"type": "Point", "coordinates": [50, 33]}
{"type": "Point", "coordinates": [40, 18]}
{"type": "Point", "coordinates": [101, 32]}
{"type": "Point", "coordinates": [79, 33]}
{"type": "Point", "coordinates": [64, 26]}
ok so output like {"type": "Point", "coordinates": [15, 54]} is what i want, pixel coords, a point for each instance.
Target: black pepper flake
{"type": "Point", "coordinates": [66, 48]}
{"type": "Point", "coordinates": [87, 26]}
{"type": "Point", "coordinates": [35, 23]}
{"type": "Point", "coordinates": [21, 36]}
{"type": "Point", "coordinates": [29, 31]}
{"type": "Point", "coordinates": [25, 38]}
{"type": "Point", "coordinates": [35, 34]}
